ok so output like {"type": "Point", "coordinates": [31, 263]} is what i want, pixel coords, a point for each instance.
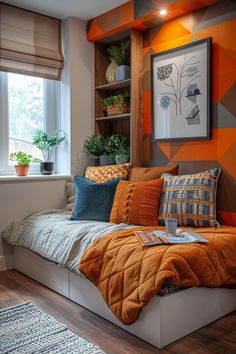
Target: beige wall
{"type": "Point", "coordinates": [22, 198]}
{"type": "Point", "coordinates": [19, 199]}
{"type": "Point", "coordinates": [77, 89]}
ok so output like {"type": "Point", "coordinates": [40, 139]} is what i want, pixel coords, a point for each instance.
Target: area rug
{"type": "Point", "coordinates": [25, 329]}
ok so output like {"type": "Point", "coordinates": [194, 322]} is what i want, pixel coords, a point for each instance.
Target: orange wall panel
{"type": "Point", "coordinates": [220, 150]}
{"type": "Point", "coordinates": [138, 15]}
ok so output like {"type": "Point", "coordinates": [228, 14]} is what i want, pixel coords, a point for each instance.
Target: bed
{"type": "Point", "coordinates": [52, 261]}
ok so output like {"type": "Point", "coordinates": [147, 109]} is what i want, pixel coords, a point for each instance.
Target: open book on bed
{"type": "Point", "coordinates": [158, 237]}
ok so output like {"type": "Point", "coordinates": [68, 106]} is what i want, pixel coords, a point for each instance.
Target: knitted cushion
{"type": "Point", "coordinates": [137, 203]}
{"type": "Point", "coordinates": [102, 174]}
{"type": "Point", "coordinates": [191, 199]}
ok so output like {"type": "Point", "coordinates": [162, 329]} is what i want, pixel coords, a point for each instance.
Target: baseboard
{"type": "Point", "coordinates": [6, 263]}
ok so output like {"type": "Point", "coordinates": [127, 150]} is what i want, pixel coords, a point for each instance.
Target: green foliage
{"type": "Point", "coordinates": [110, 100]}
{"type": "Point", "coordinates": [126, 97]}
{"type": "Point", "coordinates": [123, 152]}
{"type": "Point", "coordinates": [113, 99]}
{"type": "Point", "coordinates": [21, 158]}
{"type": "Point", "coordinates": [95, 145]}
{"type": "Point", "coordinates": [120, 54]}
{"type": "Point", "coordinates": [115, 143]}
{"type": "Point", "coordinates": [47, 143]}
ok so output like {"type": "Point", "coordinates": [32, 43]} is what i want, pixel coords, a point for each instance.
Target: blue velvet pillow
{"type": "Point", "coordinates": [93, 201]}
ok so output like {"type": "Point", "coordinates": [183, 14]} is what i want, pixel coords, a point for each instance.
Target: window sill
{"type": "Point", "coordinates": [31, 178]}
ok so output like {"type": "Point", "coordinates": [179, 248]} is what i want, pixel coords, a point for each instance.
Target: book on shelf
{"type": "Point", "coordinates": [158, 237]}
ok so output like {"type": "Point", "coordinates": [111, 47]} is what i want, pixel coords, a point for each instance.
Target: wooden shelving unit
{"type": "Point", "coordinates": [127, 124]}
{"type": "Point", "coordinates": [114, 86]}
{"type": "Point", "coordinates": [118, 116]}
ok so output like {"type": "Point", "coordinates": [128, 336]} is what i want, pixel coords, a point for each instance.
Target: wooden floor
{"type": "Point", "coordinates": [15, 288]}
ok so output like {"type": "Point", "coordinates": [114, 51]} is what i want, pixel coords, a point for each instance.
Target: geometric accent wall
{"type": "Point", "coordinates": [187, 21]}
{"type": "Point", "coordinates": [219, 22]}
{"type": "Point", "coordinates": [139, 14]}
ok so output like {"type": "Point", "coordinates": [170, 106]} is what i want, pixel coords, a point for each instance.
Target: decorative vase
{"type": "Point", "coordinates": [22, 170]}
{"type": "Point", "coordinates": [46, 168]}
{"type": "Point", "coordinates": [104, 160]}
{"type": "Point", "coordinates": [111, 72]}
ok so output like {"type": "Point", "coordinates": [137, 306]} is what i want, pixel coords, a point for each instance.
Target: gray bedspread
{"type": "Point", "coordinates": [53, 236]}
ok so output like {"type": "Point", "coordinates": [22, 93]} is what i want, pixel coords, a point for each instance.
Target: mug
{"type": "Point", "coordinates": [171, 226]}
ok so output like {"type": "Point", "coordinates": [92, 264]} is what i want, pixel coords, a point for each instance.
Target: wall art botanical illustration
{"type": "Point", "coordinates": [181, 92]}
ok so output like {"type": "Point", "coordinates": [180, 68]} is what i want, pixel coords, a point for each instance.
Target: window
{"type": "Point", "coordinates": [27, 104]}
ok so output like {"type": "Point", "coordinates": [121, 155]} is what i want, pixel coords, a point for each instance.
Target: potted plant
{"type": "Point", "coordinates": [116, 143]}
{"type": "Point", "coordinates": [47, 143]}
{"type": "Point", "coordinates": [95, 146]}
{"type": "Point", "coordinates": [122, 155]}
{"type": "Point", "coordinates": [121, 55]}
{"type": "Point", "coordinates": [117, 104]}
{"type": "Point", "coordinates": [23, 161]}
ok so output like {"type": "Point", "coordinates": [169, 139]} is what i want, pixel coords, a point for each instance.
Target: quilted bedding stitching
{"type": "Point", "coordinates": [122, 269]}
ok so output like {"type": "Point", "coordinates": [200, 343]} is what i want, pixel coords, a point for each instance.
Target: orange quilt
{"type": "Point", "coordinates": [128, 275]}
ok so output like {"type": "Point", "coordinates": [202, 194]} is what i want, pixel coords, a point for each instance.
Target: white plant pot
{"type": "Point", "coordinates": [104, 160]}
{"type": "Point", "coordinates": [121, 159]}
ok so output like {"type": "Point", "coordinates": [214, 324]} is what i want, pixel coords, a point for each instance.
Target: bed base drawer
{"type": "Point", "coordinates": [163, 321]}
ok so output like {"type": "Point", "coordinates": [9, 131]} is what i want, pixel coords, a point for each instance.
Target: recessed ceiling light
{"type": "Point", "coordinates": [163, 12]}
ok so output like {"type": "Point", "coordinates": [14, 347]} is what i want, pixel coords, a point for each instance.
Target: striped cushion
{"type": "Point", "coordinates": [191, 199]}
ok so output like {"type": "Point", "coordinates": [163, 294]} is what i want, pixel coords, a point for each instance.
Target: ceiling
{"type": "Point", "coordinates": [83, 9]}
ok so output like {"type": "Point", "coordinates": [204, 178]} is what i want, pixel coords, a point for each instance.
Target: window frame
{"type": "Point", "coordinates": [52, 121]}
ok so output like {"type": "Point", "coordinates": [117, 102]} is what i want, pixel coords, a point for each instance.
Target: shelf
{"type": "Point", "coordinates": [114, 86]}
{"type": "Point", "coordinates": [120, 116]}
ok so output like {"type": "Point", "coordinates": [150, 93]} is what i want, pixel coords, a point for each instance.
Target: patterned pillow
{"type": "Point", "coordinates": [137, 203]}
{"type": "Point", "coordinates": [97, 174]}
{"type": "Point", "coordinates": [102, 174]}
{"type": "Point", "coordinates": [191, 199]}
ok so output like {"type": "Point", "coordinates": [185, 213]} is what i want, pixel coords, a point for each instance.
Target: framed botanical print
{"type": "Point", "coordinates": [181, 92]}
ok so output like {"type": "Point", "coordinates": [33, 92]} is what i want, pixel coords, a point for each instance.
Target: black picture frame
{"type": "Point", "coordinates": [194, 116]}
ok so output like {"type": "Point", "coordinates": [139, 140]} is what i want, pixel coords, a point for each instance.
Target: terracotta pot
{"type": "Point", "coordinates": [22, 170]}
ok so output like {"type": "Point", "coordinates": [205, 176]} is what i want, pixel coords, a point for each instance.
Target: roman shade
{"type": "Point", "coordinates": [30, 43]}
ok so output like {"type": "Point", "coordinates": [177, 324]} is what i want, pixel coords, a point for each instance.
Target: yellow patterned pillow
{"type": "Point", "coordinates": [102, 174]}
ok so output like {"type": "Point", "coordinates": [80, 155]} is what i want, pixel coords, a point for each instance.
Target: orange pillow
{"type": "Point", "coordinates": [139, 174]}
{"type": "Point", "coordinates": [137, 203]}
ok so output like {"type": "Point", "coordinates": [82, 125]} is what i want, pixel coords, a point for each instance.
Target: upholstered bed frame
{"type": "Point", "coordinates": [164, 320]}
